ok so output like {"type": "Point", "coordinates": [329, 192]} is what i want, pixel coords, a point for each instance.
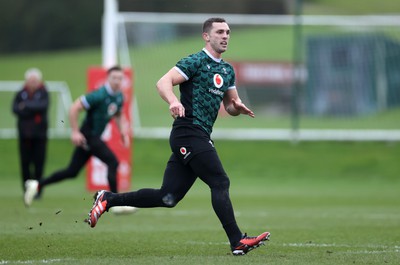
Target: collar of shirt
{"type": "Point", "coordinates": [109, 90]}
{"type": "Point", "coordinates": [218, 60]}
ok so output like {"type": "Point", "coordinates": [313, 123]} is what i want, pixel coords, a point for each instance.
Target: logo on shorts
{"type": "Point", "coordinates": [218, 81]}
{"type": "Point", "coordinates": [183, 150]}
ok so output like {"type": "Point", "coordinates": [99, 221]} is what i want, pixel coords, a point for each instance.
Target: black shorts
{"type": "Point", "coordinates": [187, 141]}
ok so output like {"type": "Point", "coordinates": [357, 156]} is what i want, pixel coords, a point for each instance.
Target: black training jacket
{"type": "Point", "coordinates": [31, 110]}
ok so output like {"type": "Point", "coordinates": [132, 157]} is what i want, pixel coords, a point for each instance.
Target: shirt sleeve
{"type": "Point", "coordinates": [91, 99]}
{"type": "Point", "coordinates": [188, 66]}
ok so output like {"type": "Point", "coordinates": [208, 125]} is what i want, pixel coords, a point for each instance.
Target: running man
{"type": "Point", "coordinates": [205, 81]}
{"type": "Point", "coordinates": [101, 106]}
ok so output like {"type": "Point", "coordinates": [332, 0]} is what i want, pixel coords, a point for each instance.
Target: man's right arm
{"type": "Point", "coordinates": [165, 87]}
{"type": "Point", "coordinates": [77, 137]}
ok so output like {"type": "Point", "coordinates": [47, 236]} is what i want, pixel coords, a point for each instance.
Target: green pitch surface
{"type": "Point", "coordinates": [324, 203]}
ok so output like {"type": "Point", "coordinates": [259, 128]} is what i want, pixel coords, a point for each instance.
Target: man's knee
{"type": "Point", "coordinates": [170, 200]}
{"type": "Point", "coordinates": [220, 182]}
{"type": "Point", "coordinates": [71, 173]}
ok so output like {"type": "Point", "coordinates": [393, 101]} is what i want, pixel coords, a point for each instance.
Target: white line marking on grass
{"type": "Point", "coordinates": [43, 261]}
{"type": "Point", "coordinates": [382, 248]}
{"type": "Point", "coordinates": [371, 252]}
{"type": "Point", "coordinates": [337, 245]}
{"type": "Point", "coordinates": [363, 248]}
{"type": "Point", "coordinates": [313, 245]}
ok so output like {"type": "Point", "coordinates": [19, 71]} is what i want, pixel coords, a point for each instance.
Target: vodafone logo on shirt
{"type": "Point", "coordinates": [218, 81]}
{"type": "Point", "coordinates": [112, 109]}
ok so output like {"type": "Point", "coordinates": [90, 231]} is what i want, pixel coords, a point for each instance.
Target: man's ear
{"type": "Point", "coordinates": [206, 37]}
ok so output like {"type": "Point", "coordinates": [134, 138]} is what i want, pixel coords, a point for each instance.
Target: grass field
{"type": "Point", "coordinates": [324, 203]}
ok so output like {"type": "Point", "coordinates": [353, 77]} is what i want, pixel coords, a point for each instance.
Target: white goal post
{"type": "Point", "coordinates": [114, 21]}
{"type": "Point", "coordinates": [58, 120]}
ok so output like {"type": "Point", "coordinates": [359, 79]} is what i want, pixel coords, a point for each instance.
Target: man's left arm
{"type": "Point", "coordinates": [234, 105]}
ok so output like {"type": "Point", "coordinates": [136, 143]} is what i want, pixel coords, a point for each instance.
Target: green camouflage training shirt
{"type": "Point", "coordinates": [101, 105]}
{"type": "Point", "coordinates": [208, 79]}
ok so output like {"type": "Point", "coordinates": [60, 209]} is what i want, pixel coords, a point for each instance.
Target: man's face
{"type": "Point", "coordinates": [33, 82]}
{"type": "Point", "coordinates": [219, 36]}
{"type": "Point", "coordinates": [115, 79]}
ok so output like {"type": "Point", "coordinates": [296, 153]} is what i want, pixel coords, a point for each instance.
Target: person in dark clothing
{"type": "Point", "coordinates": [31, 105]}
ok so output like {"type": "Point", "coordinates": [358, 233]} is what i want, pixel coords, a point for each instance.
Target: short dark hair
{"type": "Point", "coordinates": [114, 68]}
{"type": "Point", "coordinates": [208, 23]}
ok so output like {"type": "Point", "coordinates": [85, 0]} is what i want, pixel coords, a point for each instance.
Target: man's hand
{"type": "Point", "coordinates": [125, 139]}
{"type": "Point", "coordinates": [21, 105]}
{"type": "Point", "coordinates": [176, 109]}
{"type": "Point", "coordinates": [242, 109]}
{"type": "Point", "coordinates": [165, 87]}
{"type": "Point", "coordinates": [78, 139]}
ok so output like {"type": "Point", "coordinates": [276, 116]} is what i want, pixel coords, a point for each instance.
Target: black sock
{"type": "Point", "coordinates": [233, 233]}
{"type": "Point", "coordinates": [144, 198]}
